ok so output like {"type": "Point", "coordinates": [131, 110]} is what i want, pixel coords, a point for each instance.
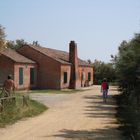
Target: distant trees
{"type": "Point", "coordinates": [127, 65]}
{"type": "Point", "coordinates": [103, 70]}
{"type": "Point", "coordinates": [15, 44]}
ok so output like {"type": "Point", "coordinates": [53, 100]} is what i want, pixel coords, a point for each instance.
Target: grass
{"type": "Point", "coordinates": [10, 115]}
{"type": "Point", "coordinates": [16, 111]}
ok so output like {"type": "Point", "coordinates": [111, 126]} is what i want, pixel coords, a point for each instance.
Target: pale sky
{"type": "Point", "coordinates": [97, 26]}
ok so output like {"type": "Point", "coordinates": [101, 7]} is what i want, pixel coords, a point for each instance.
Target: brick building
{"type": "Point", "coordinates": [52, 69]}
{"type": "Point", "coordinates": [21, 68]}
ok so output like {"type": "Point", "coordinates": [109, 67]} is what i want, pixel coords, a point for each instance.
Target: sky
{"type": "Point", "coordinates": [97, 26]}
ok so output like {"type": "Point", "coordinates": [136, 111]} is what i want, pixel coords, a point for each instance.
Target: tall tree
{"type": "Point", "coordinates": [127, 64]}
{"type": "Point", "coordinates": [128, 75]}
{"type": "Point", "coordinates": [2, 37]}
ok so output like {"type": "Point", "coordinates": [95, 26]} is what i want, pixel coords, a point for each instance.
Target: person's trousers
{"type": "Point", "coordinates": [105, 94]}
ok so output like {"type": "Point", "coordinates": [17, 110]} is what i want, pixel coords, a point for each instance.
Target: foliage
{"type": "Point", "coordinates": [128, 75]}
{"type": "Point", "coordinates": [2, 37]}
{"type": "Point", "coordinates": [15, 44]}
{"type": "Point", "coordinates": [103, 70]}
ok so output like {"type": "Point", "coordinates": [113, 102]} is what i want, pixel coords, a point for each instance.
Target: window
{"type": "Point", "coordinates": [65, 77]}
{"type": "Point", "coordinates": [83, 76]}
{"type": "Point", "coordinates": [20, 76]}
{"type": "Point", "coordinates": [89, 76]}
{"type": "Point", "coordinates": [32, 76]}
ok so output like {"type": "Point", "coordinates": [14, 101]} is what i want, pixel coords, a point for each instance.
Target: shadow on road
{"type": "Point", "coordinates": [98, 109]}
{"type": "Point", "coordinates": [98, 134]}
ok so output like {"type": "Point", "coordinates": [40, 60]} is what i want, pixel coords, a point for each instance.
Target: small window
{"type": "Point", "coordinates": [89, 76]}
{"type": "Point", "coordinates": [65, 77]}
{"type": "Point", "coordinates": [20, 76]}
{"type": "Point", "coordinates": [32, 76]}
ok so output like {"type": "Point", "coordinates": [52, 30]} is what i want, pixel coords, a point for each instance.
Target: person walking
{"type": "Point", "coordinates": [8, 86]}
{"type": "Point", "coordinates": [104, 89]}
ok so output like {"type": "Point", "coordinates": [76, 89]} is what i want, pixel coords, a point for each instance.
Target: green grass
{"type": "Point", "coordinates": [16, 111]}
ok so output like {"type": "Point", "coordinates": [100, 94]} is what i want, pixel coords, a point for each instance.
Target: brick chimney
{"type": "Point", "coordinates": [73, 59]}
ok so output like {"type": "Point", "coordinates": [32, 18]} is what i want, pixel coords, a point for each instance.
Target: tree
{"type": "Point", "coordinates": [127, 64]}
{"type": "Point", "coordinates": [10, 44]}
{"type": "Point", "coordinates": [128, 75]}
{"type": "Point", "coordinates": [19, 43]}
{"type": "Point", "coordinates": [15, 44]}
{"type": "Point", "coordinates": [2, 37]}
{"type": "Point", "coordinates": [89, 61]}
{"type": "Point", "coordinates": [103, 70]}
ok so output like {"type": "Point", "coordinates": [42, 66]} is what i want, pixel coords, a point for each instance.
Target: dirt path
{"type": "Point", "coordinates": [80, 116]}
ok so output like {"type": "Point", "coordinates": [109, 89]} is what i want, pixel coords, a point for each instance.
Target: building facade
{"type": "Point", "coordinates": [50, 68]}
{"type": "Point", "coordinates": [22, 69]}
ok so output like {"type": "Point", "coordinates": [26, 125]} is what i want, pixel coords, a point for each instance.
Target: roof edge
{"type": "Point", "coordinates": [46, 55]}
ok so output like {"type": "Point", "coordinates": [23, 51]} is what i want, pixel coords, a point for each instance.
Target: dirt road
{"type": "Point", "coordinates": [78, 116]}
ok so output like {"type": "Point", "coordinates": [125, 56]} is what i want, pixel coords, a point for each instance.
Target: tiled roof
{"type": "Point", "coordinates": [61, 56]}
{"type": "Point", "coordinates": [15, 56]}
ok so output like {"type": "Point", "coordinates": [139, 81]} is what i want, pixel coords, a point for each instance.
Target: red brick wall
{"type": "Point", "coordinates": [48, 69]}
{"type": "Point", "coordinates": [26, 75]}
{"type": "Point", "coordinates": [51, 73]}
{"type": "Point", "coordinates": [85, 70]}
{"type": "Point", "coordinates": [6, 68]}
{"type": "Point", "coordinates": [65, 68]}
{"type": "Point", "coordinates": [80, 82]}
{"type": "Point", "coordinates": [73, 58]}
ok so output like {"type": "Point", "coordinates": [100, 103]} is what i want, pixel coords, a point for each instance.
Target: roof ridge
{"type": "Point", "coordinates": [15, 56]}
{"type": "Point", "coordinates": [58, 55]}
{"type": "Point", "coordinates": [48, 48]}
{"type": "Point", "coordinates": [36, 48]}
